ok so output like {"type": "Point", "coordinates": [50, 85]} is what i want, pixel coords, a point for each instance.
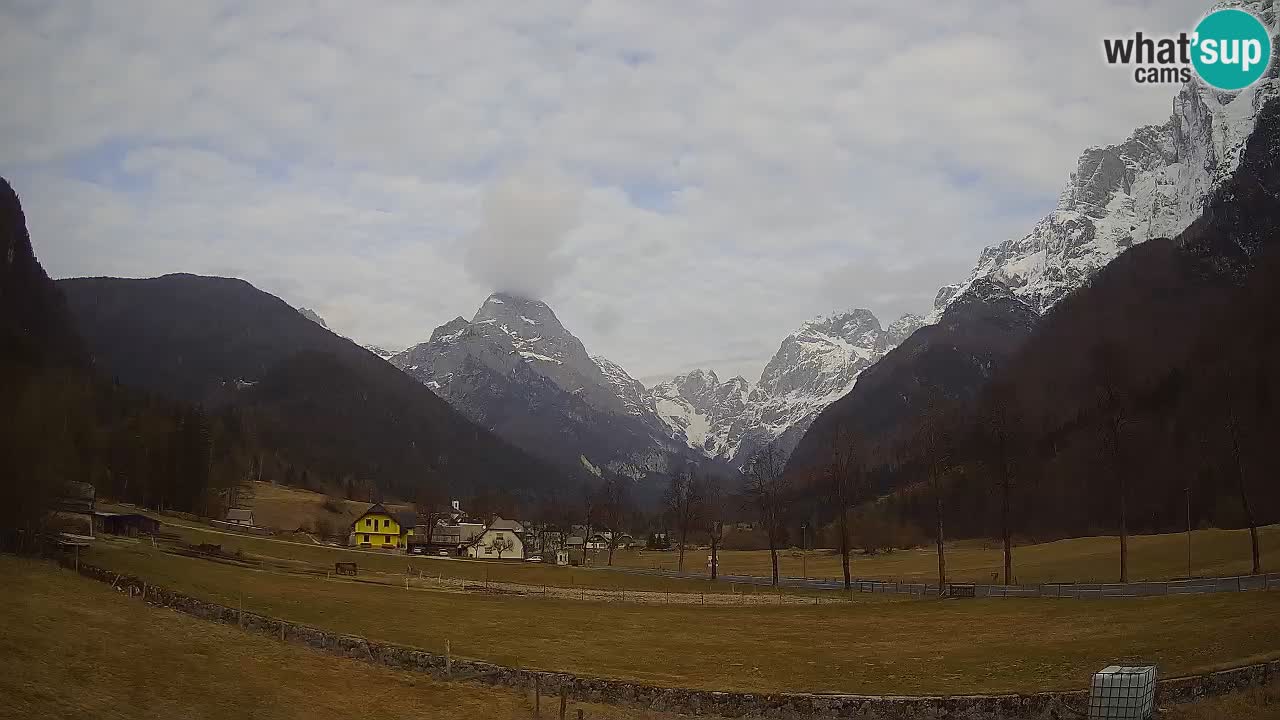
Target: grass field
{"type": "Point", "coordinates": [290, 509]}
{"type": "Point", "coordinates": [1094, 559]}
{"type": "Point", "coordinates": [928, 646]}
{"type": "Point", "coordinates": [305, 553]}
{"type": "Point", "coordinates": [1090, 559]}
{"type": "Point", "coordinates": [73, 648]}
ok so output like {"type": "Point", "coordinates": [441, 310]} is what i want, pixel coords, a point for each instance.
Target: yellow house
{"type": "Point", "coordinates": [380, 528]}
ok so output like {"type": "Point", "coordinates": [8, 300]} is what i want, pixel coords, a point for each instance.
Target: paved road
{"type": "Point", "coordinates": [1195, 586]}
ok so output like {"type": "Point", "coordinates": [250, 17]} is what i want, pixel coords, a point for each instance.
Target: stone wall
{"type": "Point", "coordinates": [1036, 706]}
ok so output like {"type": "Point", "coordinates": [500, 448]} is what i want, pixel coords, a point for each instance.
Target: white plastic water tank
{"type": "Point", "coordinates": [1123, 692]}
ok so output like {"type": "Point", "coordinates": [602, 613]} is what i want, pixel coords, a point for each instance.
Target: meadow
{"type": "Point", "coordinates": [895, 647]}
{"type": "Point", "coordinates": [74, 648]}
{"type": "Point", "coordinates": [1087, 559]}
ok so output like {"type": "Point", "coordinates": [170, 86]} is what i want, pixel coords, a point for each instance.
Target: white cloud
{"type": "Point", "coordinates": [728, 169]}
{"type": "Point", "coordinates": [519, 246]}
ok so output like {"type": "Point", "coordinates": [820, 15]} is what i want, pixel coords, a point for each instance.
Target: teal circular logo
{"type": "Point", "coordinates": [1232, 49]}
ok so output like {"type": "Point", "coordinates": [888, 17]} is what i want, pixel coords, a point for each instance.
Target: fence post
{"type": "Point", "coordinates": [564, 698]}
{"type": "Point", "coordinates": [448, 660]}
{"type": "Point", "coordinates": [537, 695]}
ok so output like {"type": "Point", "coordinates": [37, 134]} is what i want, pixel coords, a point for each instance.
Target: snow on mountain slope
{"type": "Point", "coordinates": [813, 367]}
{"type": "Point", "coordinates": [380, 351]}
{"type": "Point", "coordinates": [1154, 184]}
{"type": "Point", "coordinates": [313, 316]}
{"type": "Point", "coordinates": [515, 369]}
{"type": "Point", "coordinates": [700, 410]}
{"type": "Point", "coordinates": [635, 399]}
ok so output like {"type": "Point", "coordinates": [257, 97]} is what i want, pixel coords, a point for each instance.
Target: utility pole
{"type": "Point", "coordinates": [1188, 492]}
{"type": "Point", "coordinates": [804, 555]}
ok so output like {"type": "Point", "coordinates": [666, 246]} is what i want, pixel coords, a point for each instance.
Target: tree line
{"type": "Point", "coordinates": [1145, 402]}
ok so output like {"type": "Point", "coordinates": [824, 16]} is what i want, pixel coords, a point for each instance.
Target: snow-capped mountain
{"type": "Point", "coordinates": [700, 410]}
{"type": "Point", "coordinates": [516, 369]}
{"type": "Point", "coordinates": [814, 366]}
{"type": "Point", "coordinates": [313, 316]}
{"type": "Point", "coordinates": [1154, 184]}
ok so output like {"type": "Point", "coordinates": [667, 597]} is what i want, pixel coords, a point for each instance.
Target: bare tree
{"type": "Point", "coordinates": [934, 443]}
{"type": "Point", "coordinates": [682, 506]}
{"type": "Point", "coordinates": [1000, 429]}
{"type": "Point", "coordinates": [428, 504]}
{"type": "Point", "coordinates": [615, 503]}
{"type": "Point", "coordinates": [589, 509]}
{"type": "Point", "coordinates": [845, 476]}
{"type": "Point", "coordinates": [711, 499]}
{"type": "Point", "coordinates": [1233, 410]}
{"type": "Point", "coordinates": [768, 491]}
{"type": "Point", "coordinates": [501, 544]}
{"type": "Point", "coordinates": [1111, 381]}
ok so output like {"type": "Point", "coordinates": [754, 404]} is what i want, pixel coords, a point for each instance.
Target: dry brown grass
{"type": "Point", "coordinates": [290, 509]}
{"type": "Point", "coordinates": [1254, 704]}
{"type": "Point", "coordinates": [1090, 559]}
{"type": "Point", "coordinates": [912, 647]}
{"type": "Point", "coordinates": [72, 648]}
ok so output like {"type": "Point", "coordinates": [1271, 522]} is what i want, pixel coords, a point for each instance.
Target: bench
{"type": "Point", "coordinates": [344, 568]}
{"type": "Point", "coordinates": [962, 590]}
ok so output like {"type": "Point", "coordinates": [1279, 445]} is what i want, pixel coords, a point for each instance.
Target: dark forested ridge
{"type": "Point", "coordinates": [34, 322]}
{"type": "Point", "coordinates": [1157, 383]}
{"type": "Point", "coordinates": [320, 404]}
{"type": "Point", "coordinates": [62, 423]}
{"type": "Point", "coordinates": [953, 358]}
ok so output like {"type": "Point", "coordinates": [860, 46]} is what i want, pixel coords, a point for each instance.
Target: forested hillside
{"type": "Point", "coordinates": [324, 412]}
{"type": "Point", "coordinates": [184, 388]}
{"type": "Point", "coordinates": [1152, 387]}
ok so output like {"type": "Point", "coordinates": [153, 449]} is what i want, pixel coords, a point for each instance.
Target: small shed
{"type": "Point", "coordinates": [131, 524]}
{"type": "Point", "coordinates": [562, 557]}
{"type": "Point", "coordinates": [240, 516]}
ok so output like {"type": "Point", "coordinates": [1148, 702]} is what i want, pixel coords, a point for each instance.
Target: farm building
{"type": "Point", "coordinates": [240, 516]}
{"type": "Point", "coordinates": [601, 540]}
{"type": "Point", "coordinates": [502, 539]}
{"type": "Point", "coordinates": [376, 528]}
{"type": "Point", "coordinates": [446, 538]}
{"type": "Point", "coordinates": [131, 524]}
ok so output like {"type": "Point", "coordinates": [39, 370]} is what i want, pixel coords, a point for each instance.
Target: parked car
{"type": "Point", "coordinates": [533, 558]}
{"type": "Point", "coordinates": [443, 553]}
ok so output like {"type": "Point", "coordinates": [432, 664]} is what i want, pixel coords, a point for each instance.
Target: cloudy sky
{"type": "Point", "coordinates": [684, 182]}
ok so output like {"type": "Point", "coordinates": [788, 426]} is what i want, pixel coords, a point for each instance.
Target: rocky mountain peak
{"type": "Point", "coordinates": [859, 325]}
{"type": "Point", "coordinates": [902, 328]}
{"type": "Point", "coordinates": [313, 316]}
{"type": "Point", "coordinates": [505, 306]}
{"type": "Point", "coordinates": [450, 331]}
{"type": "Point", "coordinates": [1152, 184]}
{"type": "Point", "coordinates": [815, 365]}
